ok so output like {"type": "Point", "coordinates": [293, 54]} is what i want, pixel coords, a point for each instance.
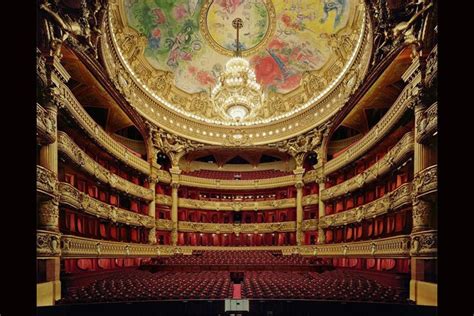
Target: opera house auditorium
{"type": "Point", "coordinates": [236, 157]}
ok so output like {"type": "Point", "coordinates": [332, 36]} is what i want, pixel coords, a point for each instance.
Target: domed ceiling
{"type": "Point", "coordinates": [166, 56]}
{"type": "Point", "coordinates": [194, 39]}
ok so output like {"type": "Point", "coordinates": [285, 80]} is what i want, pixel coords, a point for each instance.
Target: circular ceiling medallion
{"type": "Point", "coordinates": [258, 25]}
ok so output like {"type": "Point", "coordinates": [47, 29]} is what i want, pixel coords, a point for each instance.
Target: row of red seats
{"type": "Point", "coordinates": [240, 257]}
{"type": "Point", "coordinates": [341, 285]}
{"type": "Point", "coordinates": [138, 285]}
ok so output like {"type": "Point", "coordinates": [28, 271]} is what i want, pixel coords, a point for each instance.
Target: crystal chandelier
{"type": "Point", "coordinates": [237, 95]}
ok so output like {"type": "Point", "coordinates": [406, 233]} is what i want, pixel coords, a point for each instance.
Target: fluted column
{"type": "Point", "coordinates": [174, 203]}
{"type": "Point", "coordinates": [152, 210]}
{"type": "Point", "coordinates": [48, 210]}
{"type": "Point", "coordinates": [322, 212]}
{"type": "Point", "coordinates": [423, 246]}
{"type": "Point", "coordinates": [299, 205]}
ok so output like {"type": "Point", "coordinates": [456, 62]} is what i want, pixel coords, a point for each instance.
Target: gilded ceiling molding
{"type": "Point", "coordinates": [398, 154]}
{"type": "Point", "coordinates": [406, 100]}
{"type": "Point", "coordinates": [46, 181]}
{"type": "Point", "coordinates": [71, 196]}
{"type": "Point", "coordinates": [80, 247]}
{"type": "Point", "coordinates": [236, 229]}
{"type": "Point", "coordinates": [426, 181]}
{"type": "Point", "coordinates": [389, 202]}
{"type": "Point", "coordinates": [391, 247]}
{"type": "Point", "coordinates": [198, 182]}
{"type": "Point", "coordinates": [67, 146]}
{"type": "Point", "coordinates": [424, 244]}
{"type": "Point", "coordinates": [172, 109]}
{"type": "Point", "coordinates": [76, 111]}
{"type": "Point", "coordinates": [427, 123]}
{"type": "Point", "coordinates": [45, 126]}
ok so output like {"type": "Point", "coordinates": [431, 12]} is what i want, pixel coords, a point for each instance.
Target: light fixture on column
{"type": "Point", "coordinates": [237, 95]}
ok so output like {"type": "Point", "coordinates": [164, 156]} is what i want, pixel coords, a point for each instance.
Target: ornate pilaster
{"type": "Point", "coordinates": [175, 172]}
{"type": "Point", "coordinates": [152, 180]}
{"type": "Point", "coordinates": [299, 204]}
{"type": "Point", "coordinates": [322, 210]}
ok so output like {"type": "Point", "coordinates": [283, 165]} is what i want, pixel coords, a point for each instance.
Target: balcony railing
{"type": "Point", "coordinates": [393, 115]}
{"type": "Point", "coordinates": [71, 196]}
{"type": "Point", "coordinates": [237, 228]}
{"type": "Point", "coordinates": [427, 126]}
{"type": "Point", "coordinates": [67, 246]}
{"type": "Point", "coordinates": [395, 156]}
{"type": "Point", "coordinates": [391, 201]}
{"type": "Point", "coordinates": [94, 131]}
{"type": "Point", "coordinates": [237, 184]}
{"type": "Point", "coordinates": [46, 181]}
{"type": "Point", "coordinates": [45, 125]}
{"type": "Point", "coordinates": [426, 181]}
{"type": "Point", "coordinates": [67, 146]}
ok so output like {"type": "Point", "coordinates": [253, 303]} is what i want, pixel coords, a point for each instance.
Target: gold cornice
{"type": "Point", "coordinates": [80, 247]}
{"type": "Point", "coordinates": [45, 126]}
{"type": "Point", "coordinates": [395, 156]}
{"type": "Point", "coordinates": [67, 146]}
{"type": "Point", "coordinates": [392, 201]}
{"type": "Point", "coordinates": [94, 131]}
{"type": "Point", "coordinates": [236, 228]}
{"type": "Point", "coordinates": [71, 196]}
{"type": "Point", "coordinates": [404, 101]}
{"type": "Point", "coordinates": [46, 181]}
{"type": "Point", "coordinates": [214, 134]}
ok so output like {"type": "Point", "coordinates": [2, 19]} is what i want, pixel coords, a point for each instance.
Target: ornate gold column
{"type": "Point", "coordinates": [322, 212]}
{"type": "Point", "coordinates": [152, 208]}
{"type": "Point", "coordinates": [175, 172]}
{"type": "Point", "coordinates": [299, 204]}
{"type": "Point", "coordinates": [423, 248]}
{"type": "Point", "coordinates": [52, 76]}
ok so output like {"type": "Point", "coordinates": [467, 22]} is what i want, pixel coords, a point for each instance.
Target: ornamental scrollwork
{"type": "Point", "coordinates": [424, 243]}
{"type": "Point", "coordinates": [426, 181]}
{"type": "Point", "coordinates": [69, 148]}
{"type": "Point", "coordinates": [48, 244]}
{"type": "Point", "coordinates": [170, 144]}
{"type": "Point", "coordinates": [46, 181]}
{"type": "Point", "coordinates": [82, 201]}
{"type": "Point", "coordinates": [396, 155]}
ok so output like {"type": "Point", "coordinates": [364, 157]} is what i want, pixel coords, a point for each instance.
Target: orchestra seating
{"type": "Point", "coordinates": [139, 285]}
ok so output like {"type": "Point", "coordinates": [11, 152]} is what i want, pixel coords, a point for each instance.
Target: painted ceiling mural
{"type": "Point", "coordinates": [194, 38]}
